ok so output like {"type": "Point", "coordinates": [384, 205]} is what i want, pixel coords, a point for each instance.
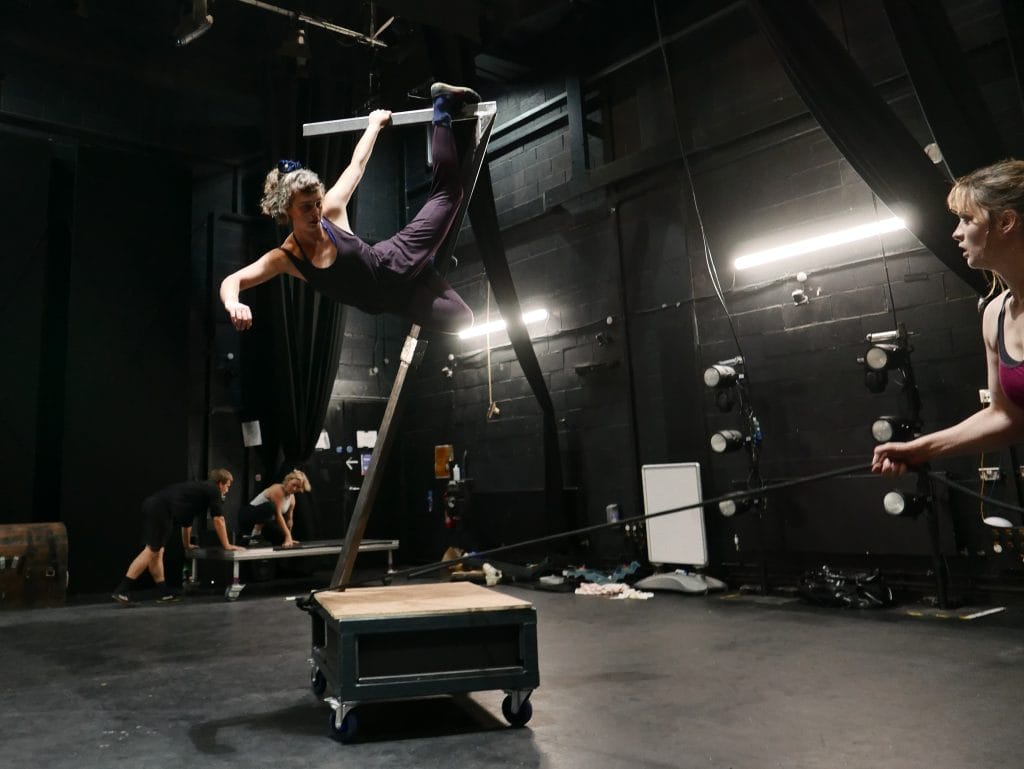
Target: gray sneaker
{"type": "Point", "coordinates": [456, 94]}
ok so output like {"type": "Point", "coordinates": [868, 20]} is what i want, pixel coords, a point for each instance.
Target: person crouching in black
{"type": "Point", "coordinates": [175, 505]}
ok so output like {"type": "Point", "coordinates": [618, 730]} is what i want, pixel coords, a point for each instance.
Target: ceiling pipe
{"type": "Point", "coordinates": [321, 23]}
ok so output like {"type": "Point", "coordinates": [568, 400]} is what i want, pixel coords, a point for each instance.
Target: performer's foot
{"type": "Point", "coordinates": [121, 598]}
{"type": "Point", "coordinates": [463, 94]}
{"type": "Point", "coordinates": [449, 99]}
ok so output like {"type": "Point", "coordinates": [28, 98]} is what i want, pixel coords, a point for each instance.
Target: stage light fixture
{"type": "Point", "coordinates": [719, 375]}
{"type": "Point", "coordinates": [723, 373]}
{"type": "Point", "coordinates": [885, 429]}
{"type": "Point", "coordinates": [194, 24]}
{"type": "Point", "coordinates": [888, 350]}
{"type": "Point", "coordinates": [725, 441]}
{"type": "Point", "coordinates": [723, 377]}
{"type": "Point", "coordinates": [880, 357]}
{"type": "Point", "coordinates": [904, 504]}
{"type": "Point", "coordinates": [296, 46]}
{"type": "Point", "coordinates": [737, 506]}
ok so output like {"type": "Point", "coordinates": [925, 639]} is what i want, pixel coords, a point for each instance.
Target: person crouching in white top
{"type": "Point", "coordinates": [274, 507]}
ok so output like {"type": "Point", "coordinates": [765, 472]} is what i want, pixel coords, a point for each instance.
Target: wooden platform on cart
{"type": "Point", "coordinates": [415, 600]}
{"type": "Point", "coordinates": [304, 549]}
{"type": "Point", "coordinates": [420, 640]}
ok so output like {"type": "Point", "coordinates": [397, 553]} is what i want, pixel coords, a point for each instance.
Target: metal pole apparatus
{"type": "Point", "coordinates": [484, 113]}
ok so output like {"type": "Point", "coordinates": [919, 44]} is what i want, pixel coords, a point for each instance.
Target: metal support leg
{"type": "Point", "coordinates": [236, 587]}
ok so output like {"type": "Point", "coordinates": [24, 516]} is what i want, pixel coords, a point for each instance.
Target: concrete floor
{"type": "Point", "coordinates": [677, 681]}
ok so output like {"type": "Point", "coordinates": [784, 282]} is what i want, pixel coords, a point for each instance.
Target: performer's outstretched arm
{"type": "Point", "coordinates": [269, 265]}
{"type": "Point", "coordinates": [338, 196]}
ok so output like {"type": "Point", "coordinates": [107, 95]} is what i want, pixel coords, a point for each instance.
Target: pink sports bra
{"type": "Point", "coordinates": [1011, 372]}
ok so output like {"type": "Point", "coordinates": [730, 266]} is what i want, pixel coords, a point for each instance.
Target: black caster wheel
{"type": "Point", "coordinates": [520, 717]}
{"type": "Point", "coordinates": [346, 730]}
{"type": "Point", "coordinates": [319, 682]}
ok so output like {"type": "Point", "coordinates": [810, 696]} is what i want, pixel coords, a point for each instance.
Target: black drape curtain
{"type": "Point", "coordinates": [1013, 20]}
{"type": "Point", "coordinates": [307, 330]}
{"type": "Point", "coordinates": [301, 339]}
{"type": "Point", "coordinates": [862, 126]}
{"type": "Point", "coordinates": [959, 119]}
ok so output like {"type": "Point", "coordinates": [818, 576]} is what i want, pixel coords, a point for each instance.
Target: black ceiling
{"type": "Point", "coordinates": [120, 58]}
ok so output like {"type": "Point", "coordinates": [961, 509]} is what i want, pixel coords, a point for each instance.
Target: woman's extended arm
{"type": "Point", "coordinates": [996, 426]}
{"type": "Point", "coordinates": [276, 495]}
{"type": "Point", "coordinates": [269, 265]}
{"type": "Point", "coordinates": [338, 196]}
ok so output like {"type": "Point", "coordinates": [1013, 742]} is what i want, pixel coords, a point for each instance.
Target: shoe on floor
{"type": "Point", "coordinates": [167, 598]}
{"type": "Point", "coordinates": [458, 94]}
{"type": "Point", "coordinates": [121, 598]}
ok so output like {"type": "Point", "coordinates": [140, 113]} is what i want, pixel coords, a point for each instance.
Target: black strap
{"type": "Point", "coordinates": [1004, 356]}
{"type": "Point", "coordinates": [484, 219]}
{"type": "Point", "coordinates": [862, 125]}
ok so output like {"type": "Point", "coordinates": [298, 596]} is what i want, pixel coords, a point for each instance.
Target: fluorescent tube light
{"type": "Point", "coordinates": [819, 243]}
{"type": "Point", "coordinates": [534, 316]}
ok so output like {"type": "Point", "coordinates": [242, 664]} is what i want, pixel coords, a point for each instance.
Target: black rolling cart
{"type": "Point", "coordinates": [386, 643]}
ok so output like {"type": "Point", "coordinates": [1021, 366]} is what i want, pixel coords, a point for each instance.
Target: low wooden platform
{"type": "Point", "coordinates": [415, 601]}
{"type": "Point", "coordinates": [381, 643]}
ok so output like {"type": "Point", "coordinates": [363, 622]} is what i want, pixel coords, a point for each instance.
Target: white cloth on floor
{"type": "Point", "coordinates": [616, 590]}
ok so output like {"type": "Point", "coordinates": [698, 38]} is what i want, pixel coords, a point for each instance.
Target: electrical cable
{"type": "Point", "coordinates": [761, 491]}
{"type": "Point", "coordinates": [981, 487]}
{"type": "Point", "coordinates": [708, 260]}
{"type": "Point", "coordinates": [972, 493]}
{"type": "Point", "coordinates": [736, 496]}
{"type": "Point", "coordinates": [874, 197]}
{"type": "Point", "coordinates": [885, 266]}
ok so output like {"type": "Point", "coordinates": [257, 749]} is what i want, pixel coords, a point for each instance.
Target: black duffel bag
{"type": "Point", "coordinates": [848, 589]}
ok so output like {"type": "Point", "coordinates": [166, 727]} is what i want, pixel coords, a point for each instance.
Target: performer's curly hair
{"type": "Point", "coordinates": [278, 189]}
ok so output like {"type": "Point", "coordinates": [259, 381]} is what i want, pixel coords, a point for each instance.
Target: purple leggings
{"type": "Point", "coordinates": [430, 301]}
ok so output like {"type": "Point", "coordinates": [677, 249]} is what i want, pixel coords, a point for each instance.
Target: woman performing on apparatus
{"type": "Point", "coordinates": [990, 204]}
{"type": "Point", "coordinates": [394, 275]}
{"type": "Point", "coordinates": [274, 505]}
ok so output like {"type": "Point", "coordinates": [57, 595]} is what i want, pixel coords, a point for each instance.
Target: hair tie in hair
{"type": "Point", "coordinates": [287, 166]}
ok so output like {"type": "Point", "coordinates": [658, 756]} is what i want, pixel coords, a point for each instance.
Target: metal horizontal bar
{"type": "Point", "coordinates": [410, 117]}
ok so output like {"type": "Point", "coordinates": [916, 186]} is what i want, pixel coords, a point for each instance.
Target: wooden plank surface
{"type": "Point", "coordinates": [415, 600]}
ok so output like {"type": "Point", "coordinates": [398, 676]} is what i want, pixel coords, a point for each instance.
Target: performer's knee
{"type": "Point", "coordinates": [451, 317]}
{"type": "Point", "coordinates": [460, 317]}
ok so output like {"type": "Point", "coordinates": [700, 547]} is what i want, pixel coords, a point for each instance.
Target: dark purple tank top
{"type": "Point", "coordinates": [354, 278]}
{"type": "Point", "coordinates": [1011, 372]}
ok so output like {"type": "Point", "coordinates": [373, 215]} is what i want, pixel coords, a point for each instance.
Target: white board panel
{"type": "Point", "coordinates": [677, 538]}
